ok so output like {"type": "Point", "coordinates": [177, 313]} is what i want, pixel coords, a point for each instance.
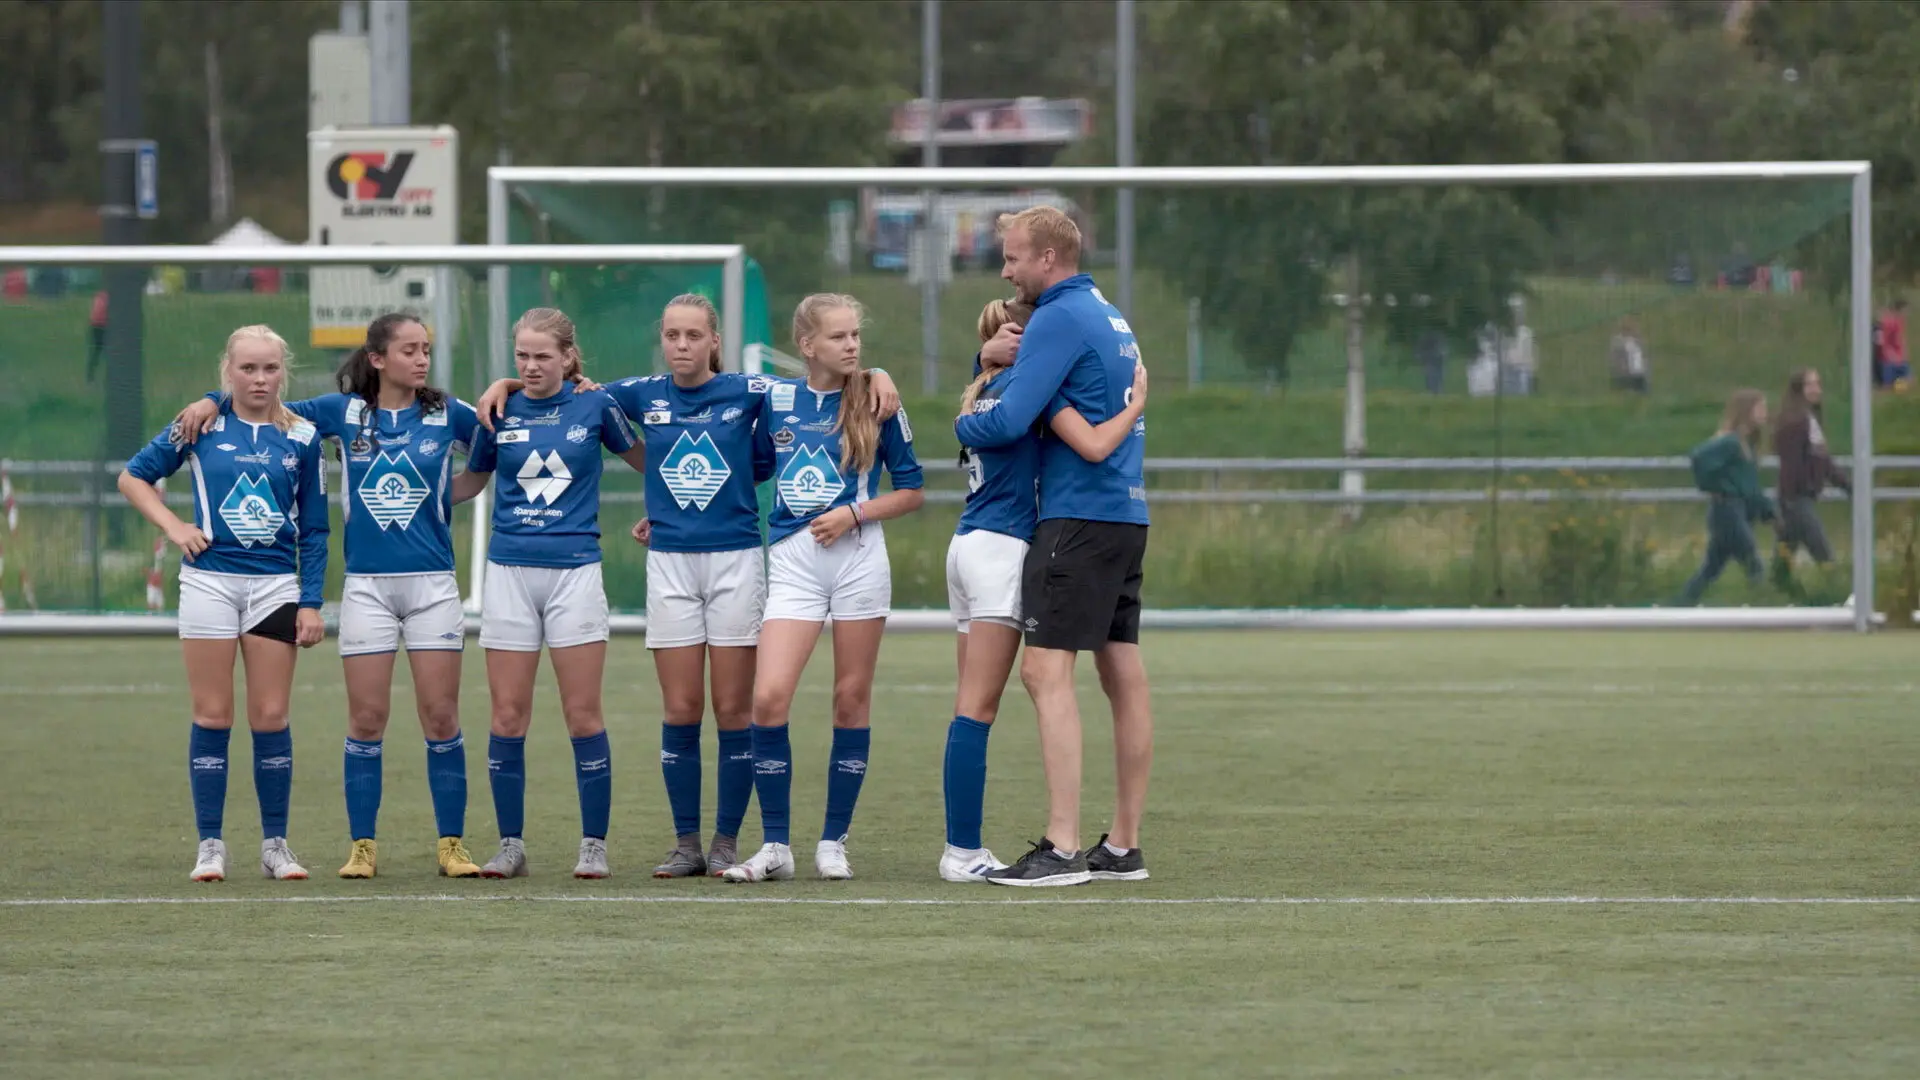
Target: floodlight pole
{"type": "Point", "coordinates": [1123, 83]}
{"type": "Point", "coordinates": [932, 240]}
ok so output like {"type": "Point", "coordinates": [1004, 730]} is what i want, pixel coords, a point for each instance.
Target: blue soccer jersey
{"type": "Point", "coordinates": [706, 449]}
{"type": "Point", "coordinates": [1076, 350]}
{"type": "Point", "coordinates": [397, 498]}
{"type": "Point", "coordinates": [546, 507]}
{"type": "Point", "coordinates": [259, 493]}
{"type": "Point", "coordinates": [806, 446]}
{"type": "Point", "coordinates": [1002, 481]}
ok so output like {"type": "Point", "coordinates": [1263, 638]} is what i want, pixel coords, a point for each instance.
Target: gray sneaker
{"type": "Point", "coordinates": [510, 863]}
{"type": "Point", "coordinates": [684, 860]}
{"type": "Point", "coordinates": [593, 858]}
{"type": "Point", "coordinates": [724, 853]}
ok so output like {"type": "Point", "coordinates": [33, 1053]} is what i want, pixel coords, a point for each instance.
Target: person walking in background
{"type": "Point", "coordinates": [96, 333]}
{"type": "Point", "coordinates": [1726, 468]}
{"type": "Point", "coordinates": [1806, 470]}
{"type": "Point", "coordinates": [1890, 367]}
{"type": "Point", "coordinates": [1628, 358]}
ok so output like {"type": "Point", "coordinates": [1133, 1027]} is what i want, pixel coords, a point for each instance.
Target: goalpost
{"type": "Point", "coordinates": [506, 184]}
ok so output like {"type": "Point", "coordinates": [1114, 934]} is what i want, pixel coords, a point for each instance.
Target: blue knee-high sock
{"type": "Point", "coordinates": [273, 779]}
{"type": "Point", "coordinates": [593, 774]}
{"type": "Point", "coordinates": [680, 767]}
{"type": "Point", "coordinates": [207, 774]}
{"type": "Point", "coordinates": [773, 781]}
{"type": "Point", "coordinates": [361, 770]}
{"type": "Point", "coordinates": [447, 782]}
{"type": "Point", "coordinates": [736, 781]}
{"type": "Point", "coordinates": [844, 776]}
{"type": "Point", "coordinates": [507, 775]}
{"type": "Point", "coordinates": [964, 778]}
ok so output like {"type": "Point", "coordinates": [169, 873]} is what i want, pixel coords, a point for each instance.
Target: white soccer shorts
{"type": "Point", "coordinates": [378, 612]}
{"type": "Point", "coordinates": [983, 578]}
{"type": "Point", "coordinates": [525, 607]}
{"type": "Point", "coordinates": [847, 580]}
{"type": "Point", "coordinates": [705, 597]}
{"type": "Point", "coordinates": [224, 606]}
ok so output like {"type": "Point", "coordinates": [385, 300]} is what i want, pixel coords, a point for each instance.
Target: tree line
{"type": "Point", "coordinates": [1221, 82]}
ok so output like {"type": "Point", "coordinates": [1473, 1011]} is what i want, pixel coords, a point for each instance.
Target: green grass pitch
{"type": "Point", "coordinates": [1338, 826]}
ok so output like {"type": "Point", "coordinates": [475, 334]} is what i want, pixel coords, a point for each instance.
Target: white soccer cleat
{"type": "Point", "coordinates": [773, 862]}
{"type": "Point", "coordinates": [830, 861]}
{"type": "Point", "coordinates": [278, 863]}
{"type": "Point", "coordinates": [211, 863]}
{"type": "Point", "coordinates": [964, 865]}
{"type": "Point", "coordinates": [593, 859]}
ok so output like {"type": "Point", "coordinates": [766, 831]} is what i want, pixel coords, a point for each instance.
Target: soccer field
{"type": "Point", "coordinates": [1488, 855]}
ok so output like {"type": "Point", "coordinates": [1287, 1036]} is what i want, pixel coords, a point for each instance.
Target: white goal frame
{"type": "Point", "coordinates": [1860, 615]}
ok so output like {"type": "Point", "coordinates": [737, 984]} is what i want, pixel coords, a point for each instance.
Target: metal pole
{"type": "Point", "coordinates": [390, 41]}
{"type": "Point", "coordinates": [498, 285]}
{"type": "Point", "coordinates": [121, 226]}
{"type": "Point", "coordinates": [1123, 137]}
{"type": "Point", "coordinates": [1862, 357]}
{"type": "Point", "coordinates": [733, 303]}
{"type": "Point", "coordinates": [1193, 343]}
{"type": "Point", "coordinates": [933, 247]}
{"type": "Point", "coordinates": [353, 17]}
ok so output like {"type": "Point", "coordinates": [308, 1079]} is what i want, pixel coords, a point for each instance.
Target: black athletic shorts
{"type": "Point", "coordinates": [281, 624]}
{"type": "Point", "coordinates": [1081, 588]}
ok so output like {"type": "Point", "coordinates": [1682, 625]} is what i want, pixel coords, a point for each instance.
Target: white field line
{"type": "Point", "coordinates": [1014, 900]}
{"type": "Point", "coordinates": [1290, 688]}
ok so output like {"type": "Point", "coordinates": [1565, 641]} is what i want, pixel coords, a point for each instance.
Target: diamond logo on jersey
{"type": "Point", "coordinates": [393, 489]}
{"type": "Point", "coordinates": [250, 512]}
{"type": "Point", "coordinates": [544, 479]}
{"type": "Point", "coordinates": [694, 471]}
{"type": "Point", "coordinates": [810, 481]}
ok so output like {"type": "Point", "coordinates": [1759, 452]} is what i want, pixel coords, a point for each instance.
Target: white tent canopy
{"type": "Point", "coordinates": [248, 233]}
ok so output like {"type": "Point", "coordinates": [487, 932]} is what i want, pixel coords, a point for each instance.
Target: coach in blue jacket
{"type": "Point", "coordinates": [1081, 586]}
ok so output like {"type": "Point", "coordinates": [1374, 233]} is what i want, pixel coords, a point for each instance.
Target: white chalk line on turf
{"type": "Point", "coordinates": [878, 901]}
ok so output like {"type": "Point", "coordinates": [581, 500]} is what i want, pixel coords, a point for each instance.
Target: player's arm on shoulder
{"type": "Point", "coordinates": [765, 459]}
{"type": "Point", "coordinates": [312, 500]}
{"type": "Point", "coordinates": [1097, 444]}
{"type": "Point", "coordinates": [197, 418]}
{"type": "Point", "coordinates": [1048, 349]}
{"type": "Point", "coordinates": [616, 431]}
{"type": "Point", "coordinates": [484, 453]}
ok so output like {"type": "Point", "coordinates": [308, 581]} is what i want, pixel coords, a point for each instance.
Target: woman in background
{"type": "Point", "coordinates": [1726, 468]}
{"type": "Point", "coordinates": [1806, 470]}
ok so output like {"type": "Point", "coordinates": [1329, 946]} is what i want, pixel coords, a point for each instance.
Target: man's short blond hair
{"type": "Point", "coordinates": [1048, 228]}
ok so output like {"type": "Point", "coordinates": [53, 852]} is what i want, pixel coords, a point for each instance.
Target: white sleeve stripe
{"type": "Point", "coordinates": [200, 493]}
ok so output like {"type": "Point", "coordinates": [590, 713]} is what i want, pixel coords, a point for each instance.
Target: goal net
{"type": "Point", "coordinates": [1373, 389]}
{"type": "Point", "coordinates": [86, 386]}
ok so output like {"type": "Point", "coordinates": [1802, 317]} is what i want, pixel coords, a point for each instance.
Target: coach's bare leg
{"type": "Point", "coordinates": [436, 691]}
{"type": "Point", "coordinates": [510, 686]}
{"type": "Point", "coordinates": [579, 670]}
{"type": "Point", "coordinates": [1048, 675]}
{"type": "Point", "coordinates": [269, 681]}
{"type": "Point", "coordinates": [209, 664]}
{"type": "Point", "coordinates": [1124, 678]}
{"type": "Point", "coordinates": [369, 695]}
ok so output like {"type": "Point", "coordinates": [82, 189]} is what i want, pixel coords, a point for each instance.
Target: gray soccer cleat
{"type": "Point", "coordinates": [684, 860]}
{"type": "Point", "coordinates": [511, 862]}
{"type": "Point", "coordinates": [723, 855]}
{"type": "Point", "coordinates": [593, 858]}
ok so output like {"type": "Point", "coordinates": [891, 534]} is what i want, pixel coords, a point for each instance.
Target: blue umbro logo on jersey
{"type": "Point", "coordinates": [694, 471]}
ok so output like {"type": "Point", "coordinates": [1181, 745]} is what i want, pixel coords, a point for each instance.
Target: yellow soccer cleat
{"type": "Point", "coordinates": [454, 860]}
{"type": "Point", "coordinates": [360, 863]}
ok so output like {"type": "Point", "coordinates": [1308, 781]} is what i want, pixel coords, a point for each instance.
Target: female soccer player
{"type": "Point", "coordinates": [542, 583]}
{"type": "Point", "coordinates": [397, 437]}
{"type": "Point", "coordinates": [827, 559]}
{"type": "Point", "coordinates": [984, 564]}
{"type": "Point", "coordinates": [253, 564]}
{"type": "Point", "coordinates": [706, 574]}
{"type": "Point", "coordinates": [1724, 467]}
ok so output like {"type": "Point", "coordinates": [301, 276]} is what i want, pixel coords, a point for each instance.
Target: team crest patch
{"type": "Point", "coordinates": [393, 489]}
{"type": "Point", "coordinates": [577, 434]}
{"type": "Point", "coordinates": [250, 511]}
{"type": "Point", "coordinates": [810, 481]}
{"type": "Point", "coordinates": [694, 471]}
